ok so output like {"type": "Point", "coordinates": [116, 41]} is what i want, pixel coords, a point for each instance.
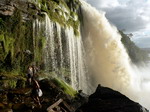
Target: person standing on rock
{"type": "Point", "coordinates": [35, 70]}
{"type": "Point", "coordinates": [36, 92]}
{"type": "Point", "coordinates": [30, 74]}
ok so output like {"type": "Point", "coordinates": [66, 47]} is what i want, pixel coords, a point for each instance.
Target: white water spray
{"type": "Point", "coordinates": [108, 58]}
{"type": "Point", "coordinates": [63, 51]}
{"type": "Point", "coordinates": [76, 54]}
{"type": "Point", "coordinates": [51, 62]}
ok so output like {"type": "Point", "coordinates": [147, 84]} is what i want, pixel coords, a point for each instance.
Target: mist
{"type": "Point", "coordinates": [108, 59]}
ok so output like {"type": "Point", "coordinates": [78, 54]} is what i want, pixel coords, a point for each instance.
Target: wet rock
{"type": "Point", "coordinates": [33, 6]}
{"type": "Point", "coordinates": [3, 98]}
{"type": "Point", "coordinates": [6, 110]}
{"type": "Point", "coordinates": [2, 106]}
{"type": "Point", "coordinates": [3, 78]}
{"type": "Point", "coordinates": [107, 100]}
{"type": "Point", "coordinates": [80, 99]}
{"type": "Point", "coordinates": [7, 10]}
{"type": "Point", "coordinates": [2, 2]}
{"type": "Point", "coordinates": [20, 84]}
{"type": "Point", "coordinates": [18, 106]}
{"type": "Point", "coordinates": [5, 107]}
{"type": "Point", "coordinates": [20, 100]}
{"type": "Point", "coordinates": [19, 95]}
{"type": "Point", "coordinates": [28, 52]}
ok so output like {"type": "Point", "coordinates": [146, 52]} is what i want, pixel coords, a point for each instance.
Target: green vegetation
{"type": "Point", "coordinates": [16, 39]}
{"type": "Point", "coordinates": [10, 80]}
{"type": "Point", "coordinates": [136, 54]}
{"type": "Point", "coordinates": [17, 35]}
{"type": "Point", "coordinates": [62, 11]}
{"type": "Point", "coordinates": [65, 87]}
{"type": "Point", "coordinates": [7, 47]}
{"type": "Point", "coordinates": [13, 41]}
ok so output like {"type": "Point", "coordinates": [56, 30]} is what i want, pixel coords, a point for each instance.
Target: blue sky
{"type": "Point", "coordinates": [133, 16]}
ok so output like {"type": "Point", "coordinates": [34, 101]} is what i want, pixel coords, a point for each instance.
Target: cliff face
{"type": "Point", "coordinates": [21, 41]}
{"type": "Point", "coordinates": [42, 33]}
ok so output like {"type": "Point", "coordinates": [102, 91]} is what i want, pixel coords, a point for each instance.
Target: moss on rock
{"type": "Point", "coordinates": [65, 87]}
{"type": "Point", "coordinates": [63, 12]}
{"type": "Point", "coordinates": [17, 36]}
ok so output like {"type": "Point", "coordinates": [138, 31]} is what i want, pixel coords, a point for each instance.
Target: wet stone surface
{"type": "Point", "coordinates": [20, 100]}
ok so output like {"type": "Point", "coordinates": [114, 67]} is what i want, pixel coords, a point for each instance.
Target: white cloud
{"type": "Point", "coordinates": [103, 3]}
{"type": "Point", "coordinates": [131, 15]}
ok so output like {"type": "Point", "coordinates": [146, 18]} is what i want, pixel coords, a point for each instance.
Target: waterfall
{"type": "Point", "coordinates": [77, 65]}
{"type": "Point", "coordinates": [98, 48]}
{"type": "Point", "coordinates": [105, 50]}
{"type": "Point", "coordinates": [50, 58]}
{"type": "Point", "coordinates": [63, 53]}
{"type": "Point", "coordinates": [108, 60]}
{"type": "Point", "coordinates": [37, 29]}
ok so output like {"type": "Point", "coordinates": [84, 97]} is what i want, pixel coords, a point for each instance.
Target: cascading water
{"type": "Point", "coordinates": [102, 43]}
{"type": "Point", "coordinates": [105, 56]}
{"type": "Point", "coordinates": [77, 65]}
{"type": "Point", "coordinates": [108, 59]}
{"type": "Point", "coordinates": [63, 52]}
{"type": "Point", "coordinates": [50, 54]}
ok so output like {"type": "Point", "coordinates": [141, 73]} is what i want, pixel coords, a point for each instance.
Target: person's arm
{"type": "Point", "coordinates": [37, 84]}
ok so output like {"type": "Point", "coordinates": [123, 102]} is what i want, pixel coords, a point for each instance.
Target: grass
{"type": "Point", "coordinates": [10, 79]}
{"type": "Point", "coordinates": [12, 74]}
{"type": "Point", "coordinates": [65, 87]}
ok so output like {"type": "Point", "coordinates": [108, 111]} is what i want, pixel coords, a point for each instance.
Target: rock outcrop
{"type": "Point", "coordinates": [107, 100]}
{"type": "Point", "coordinates": [54, 99]}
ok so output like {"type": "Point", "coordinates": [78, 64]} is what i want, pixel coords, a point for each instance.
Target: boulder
{"type": "Point", "coordinates": [107, 100]}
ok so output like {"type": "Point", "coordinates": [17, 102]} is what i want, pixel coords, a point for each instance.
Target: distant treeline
{"type": "Point", "coordinates": [136, 54]}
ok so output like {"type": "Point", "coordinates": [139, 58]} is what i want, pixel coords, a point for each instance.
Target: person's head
{"type": "Point", "coordinates": [30, 67]}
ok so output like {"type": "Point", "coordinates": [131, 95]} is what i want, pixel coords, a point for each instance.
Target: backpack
{"type": "Point", "coordinates": [40, 93]}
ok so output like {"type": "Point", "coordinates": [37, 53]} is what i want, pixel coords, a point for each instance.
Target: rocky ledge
{"type": "Point", "coordinates": [54, 99]}
{"type": "Point", "coordinates": [107, 100]}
